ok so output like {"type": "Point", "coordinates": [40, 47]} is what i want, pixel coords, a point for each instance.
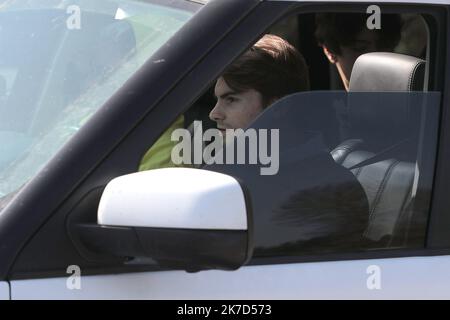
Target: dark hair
{"type": "Point", "coordinates": [340, 29]}
{"type": "Point", "coordinates": [272, 66]}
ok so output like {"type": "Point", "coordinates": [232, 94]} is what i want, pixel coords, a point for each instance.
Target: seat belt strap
{"type": "Point", "coordinates": [380, 155]}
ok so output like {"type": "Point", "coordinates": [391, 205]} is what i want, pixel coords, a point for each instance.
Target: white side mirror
{"type": "Point", "coordinates": [179, 217]}
{"type": "Point", "coordinates": [177, 198]}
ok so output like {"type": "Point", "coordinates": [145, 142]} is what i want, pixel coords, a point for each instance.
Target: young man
{"type": "Point", "coordinates": [345, 36]}
{"type": "Point", "coordinates": [270, 70]}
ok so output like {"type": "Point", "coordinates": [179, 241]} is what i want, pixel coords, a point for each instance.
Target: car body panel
{"type": "Point", "coordinates": [399, 278]}
{"type": "Point", "coordinates": [4, 290]}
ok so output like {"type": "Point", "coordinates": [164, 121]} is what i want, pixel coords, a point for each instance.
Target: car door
{"type": "Point", "coordinates": [48, 260]}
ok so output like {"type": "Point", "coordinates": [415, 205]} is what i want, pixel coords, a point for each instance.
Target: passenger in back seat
{"type": "Point", "coordinates": [345, 36]}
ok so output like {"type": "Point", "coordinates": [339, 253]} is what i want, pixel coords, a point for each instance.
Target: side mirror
{"type": "Point", "coordinates": [182, 218]}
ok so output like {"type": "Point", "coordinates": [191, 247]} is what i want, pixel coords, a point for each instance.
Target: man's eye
{"type": "Point", "coordinates": [230, 99]}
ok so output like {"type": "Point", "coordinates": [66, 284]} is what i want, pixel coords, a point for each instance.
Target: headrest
{"type": "Point", "coordinates": [385, 71]}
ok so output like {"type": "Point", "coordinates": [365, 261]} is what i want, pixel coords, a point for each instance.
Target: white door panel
{"type": "Point", "coordinates": [4, 290]}
{"type": "Point", "coordinates": [400, 278]}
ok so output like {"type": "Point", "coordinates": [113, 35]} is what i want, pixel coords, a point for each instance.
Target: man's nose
{"type": "Point", "coordinates": [216, 113]}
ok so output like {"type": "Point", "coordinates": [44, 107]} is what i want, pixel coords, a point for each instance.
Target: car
{"type": "Point", "coordinates": [88, 87]}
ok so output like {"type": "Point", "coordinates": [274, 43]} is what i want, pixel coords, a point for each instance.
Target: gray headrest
{"type": "Point", "coordinates": [385, 71]}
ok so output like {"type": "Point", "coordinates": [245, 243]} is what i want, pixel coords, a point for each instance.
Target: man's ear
{"type": "Point", "coordinates": [331, 56]}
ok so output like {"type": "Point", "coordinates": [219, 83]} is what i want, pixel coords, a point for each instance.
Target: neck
{"type": "Point", "coordinates": [343, 76]}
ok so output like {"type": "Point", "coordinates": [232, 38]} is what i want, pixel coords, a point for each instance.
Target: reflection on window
{"type": "Point", "coordinates": [53, 78]}
{"type": "Point", "coordinates": [355, 172]}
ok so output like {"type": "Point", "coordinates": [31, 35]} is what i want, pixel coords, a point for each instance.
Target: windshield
{"type": "Point", "coordinates": [60, 61]}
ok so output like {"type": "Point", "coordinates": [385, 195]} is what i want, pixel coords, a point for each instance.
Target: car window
{"type": "Point", "coordinates": [60, 61]}
{"type": "Point", "coordinates": [328, 171]}
{"type": "Point", "coordinates": [370, 191]}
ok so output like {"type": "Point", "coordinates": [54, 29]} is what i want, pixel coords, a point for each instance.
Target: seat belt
{"type": "Point", "coordinates": [380, 155]}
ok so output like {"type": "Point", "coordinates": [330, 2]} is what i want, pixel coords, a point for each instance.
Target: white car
{"type": "Point", "coordinates": [87, 87]}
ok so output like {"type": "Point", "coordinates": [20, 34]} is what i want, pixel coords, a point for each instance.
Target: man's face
{"type": "Point", "coordinates": [365, 42]}
{"type": "Point", "coordinates": [235, 110]}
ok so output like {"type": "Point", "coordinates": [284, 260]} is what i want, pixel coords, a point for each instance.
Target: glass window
{"type": "Point", "coordinates": [370, 191]}
{"type": "Point", "coordinates": [326, 171]}
{"type": "Point", "coordinates": [60, 61]}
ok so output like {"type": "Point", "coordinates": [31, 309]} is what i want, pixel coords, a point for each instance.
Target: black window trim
{"type": "Point", "coordinates": [439, 222]}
